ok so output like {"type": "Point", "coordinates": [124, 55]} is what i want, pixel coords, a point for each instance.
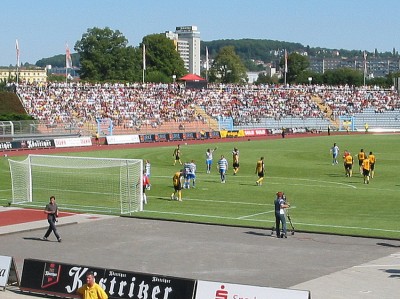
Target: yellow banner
{"type": "Point", "coordinates": [230, 134]}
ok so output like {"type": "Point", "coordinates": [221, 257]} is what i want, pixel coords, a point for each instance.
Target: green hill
{"type": "Point", "coordinates": [11, 107]}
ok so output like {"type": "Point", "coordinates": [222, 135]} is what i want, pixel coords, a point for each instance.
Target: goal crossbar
{"type": "Point", "coordinates": [79, 183]}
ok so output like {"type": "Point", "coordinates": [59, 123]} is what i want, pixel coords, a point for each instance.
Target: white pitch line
{"type": "Point", "coordinates": [350, 227]}
{"type": "Point", "coordinates": [262, 213]}
{"type": "Point", "coordinates": [265, 220]}
{"type": "Point", "coordinates": [306, 185]}
{"type": "Point", "coordinates": [326, 184]}
{"type": "Point", "coordinates": [248, 216]}
{"type": "Point", "coordinates": [196, 215]}
{"type": "Point", "coordinates": [220, 201]}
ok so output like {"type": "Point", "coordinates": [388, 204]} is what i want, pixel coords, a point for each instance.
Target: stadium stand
{"type": "Point", "coordinates": [145, 108]}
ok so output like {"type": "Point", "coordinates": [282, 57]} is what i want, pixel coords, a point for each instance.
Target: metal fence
{"type": "Point", "coordinates": [36, 129]}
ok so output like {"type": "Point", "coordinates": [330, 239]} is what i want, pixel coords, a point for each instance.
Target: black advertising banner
{"type": "Point", "coordinates": [27, 144]}
{"type": "Point", "coordinates": [176, 136]}
{"type": "Point", "coordinates": [162, 137]}
{"type": "Point", "coordinates": [121, 284]}
{"type": "Point", "coordinates": [37, 143]}
{"type": "Point", "coordinates": [147, 138]}
{"type": "Point", "coordinates": [53, 278]}
{"type": "Point", "coordinates": [10, 145]}
{"type": "Point", "coordinates": [191, 135]}
{"type": "Point", "coordinates": [213, 134]}
{"type": "Point", "coordinates": [64, 279]}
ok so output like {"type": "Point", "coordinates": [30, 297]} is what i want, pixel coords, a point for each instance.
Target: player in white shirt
{"type": "Point", "coordinates": [335, 154]}
{"type": "Point", "coordinates": [222, 167]}
{"type": "Point", "coordinates": [192, 173]}
{"type": "Point", "coordinates": [209, 158]}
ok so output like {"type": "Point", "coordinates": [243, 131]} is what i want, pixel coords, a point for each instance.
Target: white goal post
{"type": "Point", "coordinates": [106, 185]}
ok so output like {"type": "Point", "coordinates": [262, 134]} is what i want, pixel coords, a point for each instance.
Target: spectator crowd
{"type": "Point", "coordinates": [152, 105]}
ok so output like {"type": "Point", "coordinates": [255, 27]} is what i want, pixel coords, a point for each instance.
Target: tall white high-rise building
{"type": "Point", "coordinates": [187, 42]}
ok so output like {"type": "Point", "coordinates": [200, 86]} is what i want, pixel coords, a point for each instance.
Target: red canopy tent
{"type": "Point", "coordinates": [192, 77]}
{"type": "Point", "coordinates": [194, 81]}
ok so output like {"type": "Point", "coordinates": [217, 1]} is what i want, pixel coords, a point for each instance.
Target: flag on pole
{"type": "Point", "coordinates": [17, 51]}
{"type": "Point", "coordinates": [365, 65]}
{"type": "Point", "coordinates": [286, 59]}
{"type": "Point", "coordinates": [365, 61]}
{"type": "Point", "coordinates": [207, 66]}
{"type": "Point", "coordinates": [144, 57]}
{"type": "Point", "coordinates": [68, 58]}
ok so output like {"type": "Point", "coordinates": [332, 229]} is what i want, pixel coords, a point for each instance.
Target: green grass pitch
{"type": "Point", "coordinates": [322, 198]}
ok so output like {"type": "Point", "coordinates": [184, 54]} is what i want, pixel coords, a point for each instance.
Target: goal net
{"type": "Point", "coordinates": [85, 184]}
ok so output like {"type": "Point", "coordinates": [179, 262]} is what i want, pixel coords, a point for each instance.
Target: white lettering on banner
{"type": "Point", "coordinates": [142, 292]}
{"type": "Point", "coordinates": [112, 273]}
{"type": "Point", "coordinates": [260, 132]}
{"type": "Point", "coordinates": [122, 287]}
{"type": "Point", "coordinates": [76, 273]}
{"type": "Point", "coordinates": [38, 143]}
{"type": "Point", "coordinates": [48, 273]}
{"type": "Point", "coordinates": [5, 145]}
{"type": "Point", "coordinates": [256, 132]}
{"type": "Point", "coordinates": [248, 133]}
{"type": "Point", "coordinates": [122, 139]}
{"type": "Point", "coordinates": [71, 142]}
{"type": "Point", "coordinates": [163, 280]}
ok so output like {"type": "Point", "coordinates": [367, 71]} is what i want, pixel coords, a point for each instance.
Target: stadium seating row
{"type": "Point", "coordinates": [152, 106]}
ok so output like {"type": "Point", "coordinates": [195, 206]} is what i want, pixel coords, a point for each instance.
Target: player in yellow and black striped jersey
{"type": "Point", "coordinates": [372, 161]}
{"type": "Point", "coordinates": [361, 157]}
{"type": "Point", "coordinates": [348, 164]}
{"type": "Point", "coordinates": [260, 171]}
{"type": "Point", "coordinates": [235, 162]}
{"type": "Point", "coordinates": [177, 155]}
{"type": "Point", "coordinates": [366, 166]}
{"type": "Point", "coordinates": [177, 182]}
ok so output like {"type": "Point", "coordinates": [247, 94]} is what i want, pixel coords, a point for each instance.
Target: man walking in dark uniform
{"type": "Point", "coordinates": [51, 210]}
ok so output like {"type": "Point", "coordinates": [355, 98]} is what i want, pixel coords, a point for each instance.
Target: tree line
{"type": "Point", "coordinates": [103, 54]}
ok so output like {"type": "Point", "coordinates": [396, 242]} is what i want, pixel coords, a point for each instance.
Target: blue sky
{"type": "Point", "coordinates": [43, 27]}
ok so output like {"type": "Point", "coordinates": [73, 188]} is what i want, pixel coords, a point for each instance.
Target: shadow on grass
{"type": "Point", "coordinates": [165, 198]}
{"type": "Point", "coordinates": [335, 175]}
{"type": "Point", "coordinates": [249, 184]}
